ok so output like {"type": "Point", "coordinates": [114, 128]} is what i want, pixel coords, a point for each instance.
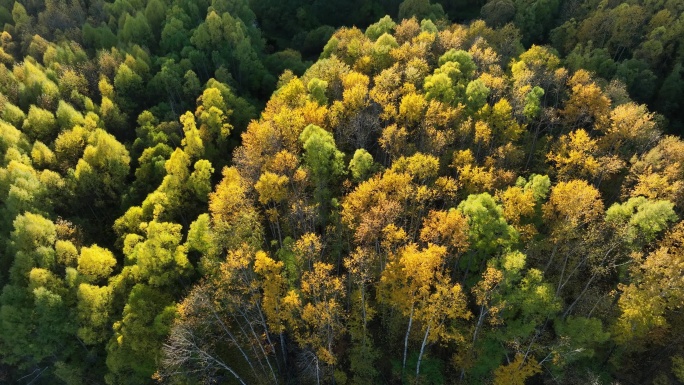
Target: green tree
{"type": "Point", "coordinates": [128, 86]}
{"type": "Point", "coordinates": [136, 30]}
{"type": "Point", "coordinates": [323, 159]}
{"type": "Point", "coordinates": [420, 9]}
{"type": "Point", "coordinates": [643, 218]}
{"type": "Point", "coordinates": [95, 313]}
{"type": "Point", "coordinates": [135, 348]}
{"type": "Point", "coordinates": [361, 165]}
{"type": "Point", "coordinates": [95, 263]}
{"type": "Point", "coordinates": [155, 13]}
{"type": "Point", "coordinates": [40, 124]}
{"type": "Point", "coordinates": [101, 173]}
{"type": "Point", "coordinates": [489, 233]}
{"type": "Point", "coordinates": [158, 259]}
{"type": "Point", "coordinates": [67, 116]}
{"type": "Point", "coordinates": [476, 94]}
{"type": "Point", "coordinates": [384, 25]}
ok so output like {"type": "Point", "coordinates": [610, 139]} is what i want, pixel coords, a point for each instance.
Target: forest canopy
{"type": "Point", "coordinates": [341, 192]}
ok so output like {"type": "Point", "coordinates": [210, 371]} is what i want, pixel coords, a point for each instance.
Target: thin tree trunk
{"type": "Point", "coordinates": [261, 347]}
{"type": "Point", "coordinates": [533, 146]}
{"type": "Point", "coordinates": [223, 365]}
{"type": "Point", "coordinates": [264, 324]}
{"type": "Point", "coordinates": [282, 348]}
{"type": "Point", "coordinates": [408, 331]}
{"type": "Point", "coordinates": [422, 349]}
{"type": "Point", "coordinates": [560, 279]}
{"type": "Point", "coordinates": [569, 276]}
{"type": "Point", "coordinates": [232, 338]}
{"type": "Point", "coordinates": [246, 334]}
{"type": "Point", "coordinates": [277, 223]}
{"type": "Point", "coordinates": [586, 287]}
{"type": "Point", "coordinates": [480, 319]}
{"type": "Point", "coordinates": [363, 312]}
{"type": "Point", "coordinates": [553, 254]}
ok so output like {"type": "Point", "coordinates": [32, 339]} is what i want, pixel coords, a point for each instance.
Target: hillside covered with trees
{"type": "Point", "coordinates": [341, 192]}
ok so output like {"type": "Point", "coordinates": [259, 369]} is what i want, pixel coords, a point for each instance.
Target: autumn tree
{"type": "Point", "coordinates": [416, 283]}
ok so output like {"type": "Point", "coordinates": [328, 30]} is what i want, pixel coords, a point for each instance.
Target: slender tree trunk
{"type": "Point", "coordinates": [233, 339]}
{"type": "Point", "coordinates": [276, 223]}
{"type": "Point", "coordinates": [560, 279]}
{"type": "Point", "coordinates": [224, 366]}
{"type": "Point", "coordinates": [570, 274]}
{"type": "Point", "coordinates": [245, 333]}
{"type": "Point", "coordinates": [553, 254]}
{"type": "Point", "coordinates": [533, 146]}
{"type": "Point", "coordinates": [422, 349]}
{"type": "Point", "coordinates": [408, 331]}
{"type": "Point", "coordinates": [586, 287]}
{"type": "Point", "coordinates": [264, 324]}
{"type": "Point", "coordinates": [282, 348]}
{"type": "Point", "coordinates": [572, 305]}
{"type": "Point", "coordinates": [363, 308]}
{"type": "Point", "coordinates": [261, 348]}
{"type": "Point", "coordinates": [467, 271]}
{"type": "Point", "coordinates": [480, 319]}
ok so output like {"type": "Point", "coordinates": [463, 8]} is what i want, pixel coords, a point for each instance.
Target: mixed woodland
{"type": "Point", "coordinates": [341, 192]}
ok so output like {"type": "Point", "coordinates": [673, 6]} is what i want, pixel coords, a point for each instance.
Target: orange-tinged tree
{"type": "Point", "coordinates": [575, 156]}
{"type": "Point", "coordinates": [574, 213]}
{"type": "Point", "coordinates": [449, 229]}
{"type": "Point", "coordinates": [655, 290]}
{"type": "Point", "coordinates": [656, 174]}
{"type": "Point", "coordinates": [316, 318]}
{"type": "Point", "coordinates": [272, 190]}
{"type": "Point", "coordinates": [571, 206]}
{"type": "Point", "coordinates": [588, 105]}
{"type": "Point", "coordinates": [517, 371]}
{"type": "Point", "coordinates": [234, 218]}
{"type": "Point", "coordinates": [416, 283]}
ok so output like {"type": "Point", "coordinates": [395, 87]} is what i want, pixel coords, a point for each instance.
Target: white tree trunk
{"type": "Point", "coordinates": [422, 349]}
{"type": "Point", "coordinates": [408, 331]}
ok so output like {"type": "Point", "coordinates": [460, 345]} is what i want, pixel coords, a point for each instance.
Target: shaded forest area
{"type": "Point", "coordinates": [635, 42]}
{"type": "Point", "coordinates": [341, 192]}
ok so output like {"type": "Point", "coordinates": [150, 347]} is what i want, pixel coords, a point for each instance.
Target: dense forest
{"type": "Point", "coordinates": [341, 192]}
